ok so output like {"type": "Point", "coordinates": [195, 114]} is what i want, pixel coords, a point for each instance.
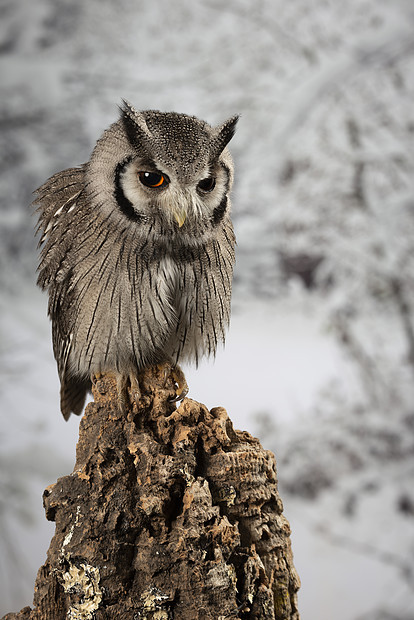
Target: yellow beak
{"type": "Point", "coordinates": [180, 217]}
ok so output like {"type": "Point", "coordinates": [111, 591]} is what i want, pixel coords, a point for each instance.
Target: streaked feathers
{"type": "Point", "coordinates": [127, 286]}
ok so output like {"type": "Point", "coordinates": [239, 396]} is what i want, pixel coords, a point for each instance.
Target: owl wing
{"type": "Point", "coordinates": [56, 200]}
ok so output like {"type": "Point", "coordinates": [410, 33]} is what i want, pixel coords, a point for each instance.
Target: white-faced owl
{"type": "Point", "coordinates": [137, 251]}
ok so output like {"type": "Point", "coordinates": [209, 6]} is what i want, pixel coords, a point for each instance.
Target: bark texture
{"type": "Point", "coordinates": [169, 514]}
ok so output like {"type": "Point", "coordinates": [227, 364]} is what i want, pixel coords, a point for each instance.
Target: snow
{"type": "Point", "coordinates": [324, 166]}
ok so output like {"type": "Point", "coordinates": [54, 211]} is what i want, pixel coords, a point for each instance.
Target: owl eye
{"type": "Point", "coordinates": [207, 185]}
{"type": "Point", "coordinates": [153, 179]}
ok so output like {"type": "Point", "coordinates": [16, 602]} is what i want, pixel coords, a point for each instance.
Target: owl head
{"type": "Point", "coordinates": [170, 167]}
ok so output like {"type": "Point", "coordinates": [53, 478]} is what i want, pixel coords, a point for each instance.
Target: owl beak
{"type": "Point", "coordinates": [180, 217]}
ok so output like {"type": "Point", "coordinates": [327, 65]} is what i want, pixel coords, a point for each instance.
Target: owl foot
{"type": "Point", "coordinates": [135, 390]}
{"type": "Point", "coordinates": [122, 383]}
{"type": "Point", "coordinates": [95, 377]}
{"type": "Point", "coordinates": [182, 387]}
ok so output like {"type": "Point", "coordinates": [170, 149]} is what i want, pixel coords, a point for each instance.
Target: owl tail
{"type": "Point", "coordinates": [72, 395]}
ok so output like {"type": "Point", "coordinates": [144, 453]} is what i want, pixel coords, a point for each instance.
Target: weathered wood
{"type": "Point", "coordinates": [169, 513]}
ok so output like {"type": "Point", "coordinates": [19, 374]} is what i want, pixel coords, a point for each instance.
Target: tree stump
{"type": "Point", "coordinates": [169, 514]}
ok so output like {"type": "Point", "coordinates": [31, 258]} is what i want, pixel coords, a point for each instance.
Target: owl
{"type": "Point", "coordinates": [137, 252]}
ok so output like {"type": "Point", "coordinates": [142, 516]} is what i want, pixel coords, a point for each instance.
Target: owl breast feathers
{"type": "Point", "coordinates": [137, 251]}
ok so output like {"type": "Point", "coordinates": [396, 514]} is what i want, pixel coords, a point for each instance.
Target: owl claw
{"type": "Point", "coordinates": [165, 368]}
{"type": "Point", "coordinates": [95, 377]}
{"type": "Point", "coordinates": [129, 390]}
{"type": "Point", "coordinates": [182, 387]}
{"type": "Point", "coordinates": [180, 396]}
{"type": "Point", "coordinates": [122, 389]}
{"type": "Point", "coordinates": [135, 389]}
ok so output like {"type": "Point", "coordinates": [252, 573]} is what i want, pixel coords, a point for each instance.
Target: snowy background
{"type": "Point", "coordinates": [319, 361]}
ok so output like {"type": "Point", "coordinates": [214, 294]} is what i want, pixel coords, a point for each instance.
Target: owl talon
{"type": "Point", "coordinates": [125, 396]}
{"type": "Point", "coordinates": [180, 396]}
{"type": "Point", "coordinates": [135, 389]}
{"type": "Point", "coordinates": [182, 387]}
{"type": "Point", "coordinates": [95, 377]}
{"type": "Point", "coordinates": [165, 369]}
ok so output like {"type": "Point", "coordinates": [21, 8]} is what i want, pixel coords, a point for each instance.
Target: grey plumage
{"type": "Point", "coordinates": [138, 250]}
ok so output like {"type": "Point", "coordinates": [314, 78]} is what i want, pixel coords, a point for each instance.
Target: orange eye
{"type": "Point", "coordinates": [153, 179]}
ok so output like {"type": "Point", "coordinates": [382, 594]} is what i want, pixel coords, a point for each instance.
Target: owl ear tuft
{"type": "Point", "coordinates": [135, 126]}
{"type": "Point", "coordinates": [224, 134]}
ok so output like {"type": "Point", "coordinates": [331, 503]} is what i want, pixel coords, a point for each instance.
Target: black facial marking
{"type": "Point", "coordinates": [124, 204]}
{"type": "Point", "coordinates": [219, 211]}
